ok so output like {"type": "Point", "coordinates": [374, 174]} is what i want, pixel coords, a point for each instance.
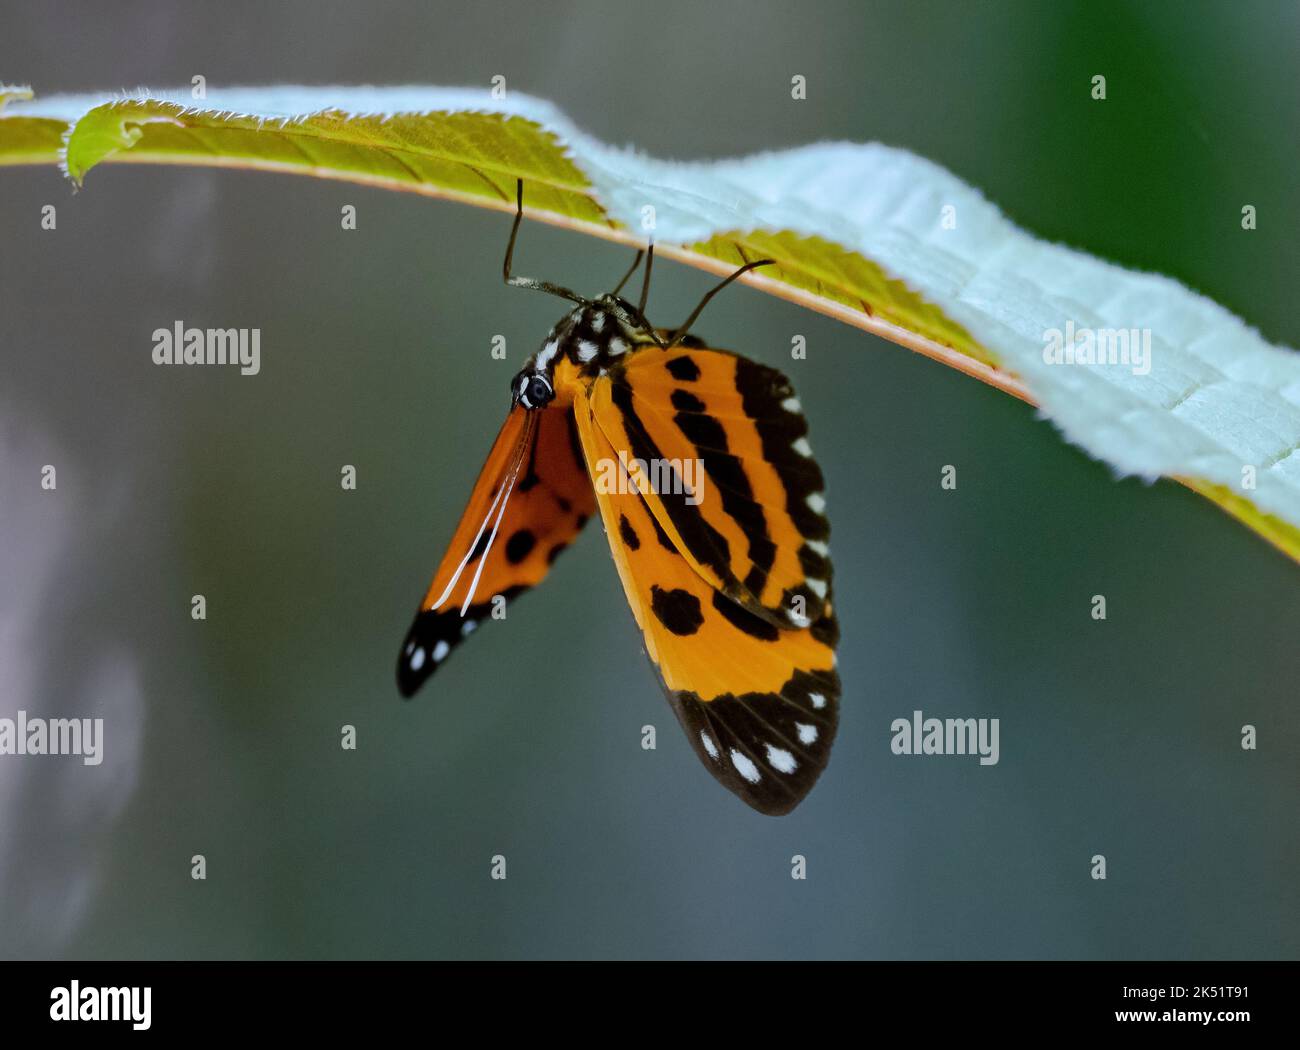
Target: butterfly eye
{"type": "Point", "coordinates": [538, 392]}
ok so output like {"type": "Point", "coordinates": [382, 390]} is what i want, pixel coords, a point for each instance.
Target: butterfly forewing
{"type": "Point", "coordinates": [758, 699]}
{"type": "Point", "coordinates": [531, 499]}
{"type": "Point", "coordinates": [748, 515]}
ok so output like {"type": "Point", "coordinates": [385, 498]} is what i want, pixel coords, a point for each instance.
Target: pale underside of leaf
{"type": "Point", "coordinates": [857, 233]}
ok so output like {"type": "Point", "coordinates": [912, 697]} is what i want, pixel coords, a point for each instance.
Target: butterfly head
{"type": "Point", "coordinates": [584, 342]}
{"type": "Point", "coordinates": [532, 389]}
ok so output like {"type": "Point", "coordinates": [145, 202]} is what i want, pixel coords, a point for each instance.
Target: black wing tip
{"type": "Point", "coordinates": [773, 807]}
{"type": "Point", "coordinates": [768, 749]}
{"type": "Point", "coordinates": [412, 670]}
{"type": "Point", "coordinates": [408, 682]}
{"type": "Point", "coordinates": [435, 633]}
{"type": "Point", "coordinates": [429, 641]}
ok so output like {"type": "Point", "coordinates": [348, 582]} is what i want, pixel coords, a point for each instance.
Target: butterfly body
{"type": "Point", "coordinates": [698, 463]}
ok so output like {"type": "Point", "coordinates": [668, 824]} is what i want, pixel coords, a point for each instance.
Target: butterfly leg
{"type": "Point", "coordinates": [514, 230]}
{"type": "Point", "coordinates": [529, 282]}
{"type": "Point", "coordinates": [645, 283]}
{"type": "Point", "coordinates": [631, 270]}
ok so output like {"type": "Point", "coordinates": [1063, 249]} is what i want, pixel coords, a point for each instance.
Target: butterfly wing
{"type": "Point", "coordinates": [748, 515]}
{"type": "Point", "coordinates": [758, 701]}
{"type": "Point", "coordinates": [531, 499]}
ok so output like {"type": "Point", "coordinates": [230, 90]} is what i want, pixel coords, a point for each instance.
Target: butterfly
{"type": "Point", "coordinates": [698, 463]}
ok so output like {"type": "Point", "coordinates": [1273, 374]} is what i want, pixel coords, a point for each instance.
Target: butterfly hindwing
{"type": "Point", "coordinates": [535, 467]}
{"type": "Point", "coordinates": [749, 514]}
{"type": "Point", "coordinates": [758, 700]}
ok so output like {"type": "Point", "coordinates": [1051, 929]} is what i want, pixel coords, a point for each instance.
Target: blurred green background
{"type": "Point", "coordinates": [1119, 738]}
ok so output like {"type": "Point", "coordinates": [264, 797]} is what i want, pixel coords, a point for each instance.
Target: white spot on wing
{"type": "Point", "coordinates": [818, 587]}
{"type": "Point", "coordinates": [791, 404]}
{"type": "Point", "coordinates": [598, 323]}
{"type": "Point", "coordinates": [745, 767]}
{"type": "Point", "coordinates": [817, 545]}
{"type": "Point", "coordinates": [817, 502]}
{"type": "Point", "coordinates": [818, 701]}
{"type": "Point", "coordinates": [781, 760]}
{"type": "Point", "coordinates": [708, 743]}
{"type": "Point", "coordinates": [417, 659]}
{"type": "Point", "coordinates": [587, 350]}
{"type": "Point", "coordinates": [467, 628]}
{"type": "Point", "coordinates": [440, 650]}
{"type": "Point", "coordinates": [807, 733]}
{"type": "Point", "coordinates": [802, 447]}
{"type": "Point", "coordinates": [617, 346]}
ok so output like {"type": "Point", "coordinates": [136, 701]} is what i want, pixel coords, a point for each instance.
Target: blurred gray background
{"type": "Point", "coordinates": [1119, 738]}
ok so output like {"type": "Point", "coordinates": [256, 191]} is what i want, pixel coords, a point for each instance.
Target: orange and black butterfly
{"type": "Point", "coordinates": [699, 464]}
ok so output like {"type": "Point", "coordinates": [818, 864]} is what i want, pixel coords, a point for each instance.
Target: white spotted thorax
{"type": "Point", "coordinates": [593, 337]}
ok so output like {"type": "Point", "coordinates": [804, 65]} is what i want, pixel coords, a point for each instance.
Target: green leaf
{"type": "Point", "coordinates": [873, 236]}
{"type": "Point", "coordinates": [28, 140]}
{"type": "Point", "coordinates": [452, 154]}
